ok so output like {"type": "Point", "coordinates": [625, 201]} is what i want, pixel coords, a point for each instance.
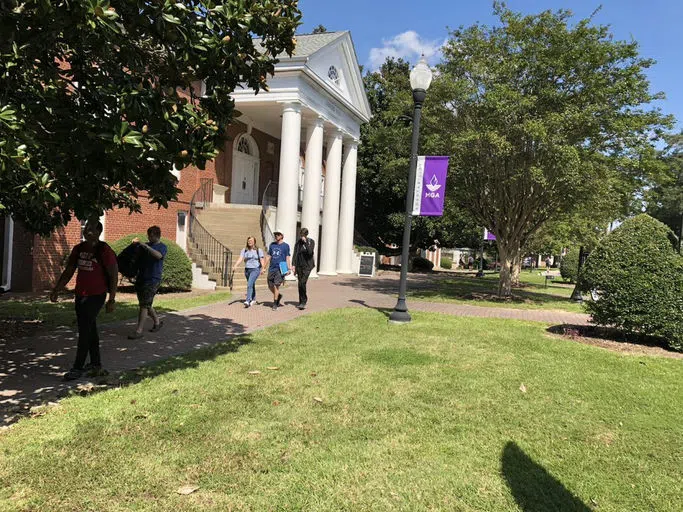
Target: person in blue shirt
{"type": "Point", "coordinates": [148, 279]}
{"type": "Point", "coordinates": [278, 252]}
{"type": "Point", "coordinates": [253, 267]}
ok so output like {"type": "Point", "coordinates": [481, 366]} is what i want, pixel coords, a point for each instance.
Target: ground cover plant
{"type": "Point", "coordinates": [341, 411]}
{"type": "Point", "coordinates": [468, 289]}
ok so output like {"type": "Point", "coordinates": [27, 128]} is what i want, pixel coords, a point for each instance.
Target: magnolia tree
{"type": "Point", "coordinates": [90, 109]}
{"type": "Point", "coordinates": [540, 115]}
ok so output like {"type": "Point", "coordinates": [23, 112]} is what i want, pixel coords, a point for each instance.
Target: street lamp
{"type": "Point", "coordinates": [420, 79]}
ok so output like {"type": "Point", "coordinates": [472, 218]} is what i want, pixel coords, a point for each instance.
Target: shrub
{"type": "Point", "coordinates": [640, 280]}
{"type": "Point", "coordinates": [446, 263]}
{"type": "Point", "coordinates": [177, 273]}
{"type": "Point", "coordinates": [569, 267]}
{"type": "Point", "coordinates": [422, 264]}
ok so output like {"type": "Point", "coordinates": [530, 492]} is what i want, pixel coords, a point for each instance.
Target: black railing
{"type": "Point", "coordinates": [212, 253]}
{"type": "Point", "coordinates": [269, 199]}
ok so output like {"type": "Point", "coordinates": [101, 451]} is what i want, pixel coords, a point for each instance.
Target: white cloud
{"type": "Point", "coordinates": [407, 45]}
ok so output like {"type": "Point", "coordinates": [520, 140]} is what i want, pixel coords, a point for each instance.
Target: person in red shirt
{"type": "Point", "coordinates": [97, 274]}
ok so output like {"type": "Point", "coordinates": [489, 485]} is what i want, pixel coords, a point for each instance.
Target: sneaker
{"type": "Point", "coordinates": [73, 374]}
{"type": "Point", "coordinates": [157, 327]}
{"type": "Point", "coordinates": [135, 336]}
{"type": "Point", "coordinates": [275, 307]}
{"type": "Point", "coordinates": [247, 303]}
{"type": "Point", "coordinates": [279, 299]}
{"type": "Point", "coordinates": [252, 303]}
{"type": "Point", "coordinates": [302, 306]}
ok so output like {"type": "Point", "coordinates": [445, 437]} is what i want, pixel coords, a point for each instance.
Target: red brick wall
{"type": "Point", "coordinates": [50, 254]}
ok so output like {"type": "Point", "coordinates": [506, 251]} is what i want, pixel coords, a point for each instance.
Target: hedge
{"type": "Point", "coordinates": [639, 277]}
{"type": "Point", "coordinates": [421, 264]}
{"type": "Point", "coordinates": [177, 273]}
{"type": "Point", "coordinates": [446, 263]}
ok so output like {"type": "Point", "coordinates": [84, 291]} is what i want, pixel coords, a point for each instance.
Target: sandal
{"type": "Point", "coordinates": [157, 327]}
{"type": "Point", "coordinates": [135, 336]}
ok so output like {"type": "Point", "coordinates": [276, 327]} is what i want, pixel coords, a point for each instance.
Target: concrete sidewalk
{"type": "Point", "coordinates": [31, 368]}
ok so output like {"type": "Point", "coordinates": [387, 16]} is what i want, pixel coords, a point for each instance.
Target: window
{"type": "Point", "coordinates": [243, 146]}
{"type": "Point", "coordinates": [333, 75]}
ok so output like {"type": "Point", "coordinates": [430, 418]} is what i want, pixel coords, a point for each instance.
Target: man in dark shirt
{"type": "Point", "coordinates": [303, 263]}
{"type": "Point", "coordinates": [148, 279]}
{"type": "Point", "coordinates": [97, 275]}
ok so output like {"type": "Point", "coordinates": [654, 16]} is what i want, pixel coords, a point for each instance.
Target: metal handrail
{"type": "Point", "coordinates": [217, 254]}
{"type": "Point", "coordinates": [269, 199]}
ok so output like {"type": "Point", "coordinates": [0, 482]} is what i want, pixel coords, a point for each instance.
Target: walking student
{"type": "Point", "coordinates": [147, 282]}
{"type": "Point", "coordinates": [278, 253]}
{"type": "Point", "coordinates": [253, 267]}
{"type": "Point", "coordinates": [303, 263]}
{"type": "Point", "coordinates": [97, 275]}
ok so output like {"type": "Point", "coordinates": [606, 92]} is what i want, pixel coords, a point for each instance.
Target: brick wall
{"type": "Point", "coordinates": [50, 254]}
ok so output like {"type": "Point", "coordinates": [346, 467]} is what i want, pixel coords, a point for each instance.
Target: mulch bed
{"type": "Point", "coordinates": [615, 340]}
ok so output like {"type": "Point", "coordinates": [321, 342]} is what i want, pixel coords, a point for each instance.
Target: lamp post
{"type": "Point", "coordinates": [420, 79]}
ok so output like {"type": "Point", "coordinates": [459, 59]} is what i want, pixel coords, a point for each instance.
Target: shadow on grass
{"type": "Point", "coordinates": [534, 489]}
{"type": "Point", "coordinates": [31, 368]}
{"type": "Point", "coordinates": [442, 286]}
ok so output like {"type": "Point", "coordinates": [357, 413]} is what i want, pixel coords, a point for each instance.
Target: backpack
{"type": "Point", "coordinates": [129, 261]}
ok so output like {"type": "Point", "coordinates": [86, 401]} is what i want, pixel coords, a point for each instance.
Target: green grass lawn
{"type": "Point", "coordinates": [62, 312]}
{"type": "Point", "coordinates": [467, 289]}
{"type": "Point", "coordinates": [360, 415]}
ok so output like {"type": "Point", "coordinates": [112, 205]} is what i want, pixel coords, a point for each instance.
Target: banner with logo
{"type": "Point", "coordinates": [488, 235]}
{"type": "Point", "coordinates": [430, 185]}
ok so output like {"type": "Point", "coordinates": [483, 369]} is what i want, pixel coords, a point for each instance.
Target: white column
{"type": "Point", "coordinates": [347, 209]}
{"type": "Point", "coordinates": [288, 181]}
{"type": "Point", "coordinates": [330, 231]}
{"type": "Point", "coordinates": [313, 171]}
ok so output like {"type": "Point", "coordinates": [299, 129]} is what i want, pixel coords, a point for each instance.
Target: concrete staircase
{"type": "Point", "coordinates": [230, 225]}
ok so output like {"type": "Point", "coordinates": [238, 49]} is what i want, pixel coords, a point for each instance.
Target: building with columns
{"type": "Point", "coordinates": [289, 162]}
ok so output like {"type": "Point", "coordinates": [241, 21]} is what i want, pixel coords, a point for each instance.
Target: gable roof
{"type": "Point", "coordinates": [306, 44]}
{"type": "Point", "coordinates": [311, 48]}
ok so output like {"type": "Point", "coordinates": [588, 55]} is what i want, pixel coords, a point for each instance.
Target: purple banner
{"type": "Point", "coordinates": [488, 235]}
{"type": "Point", "coordinates": [430, 185]}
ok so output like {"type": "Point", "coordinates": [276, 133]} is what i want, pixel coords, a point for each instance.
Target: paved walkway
{"type": "Point", "coordinates": [31, 368]}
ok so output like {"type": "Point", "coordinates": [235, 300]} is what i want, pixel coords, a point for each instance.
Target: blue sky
{"type": "Point", "coordinates": [404, 28]}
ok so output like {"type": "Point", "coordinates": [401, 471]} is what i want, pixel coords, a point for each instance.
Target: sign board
{"type": "Point", "coordinates": [430, 185]}
{"type": "Point", "coordinates": [489, 236]}
{"type": "Point", "coordinates": [367, 265]}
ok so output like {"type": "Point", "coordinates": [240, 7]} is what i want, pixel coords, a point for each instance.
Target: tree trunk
{"type": "Point", "coordinates": [516, 268]}
{"type": "Point", "coordinates": [505, 279]}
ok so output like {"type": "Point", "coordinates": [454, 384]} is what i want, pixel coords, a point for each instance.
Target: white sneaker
{"type": "Point", "coordinates": [252, 303]}
{"type": "Point", "coordinates": [247, 303]}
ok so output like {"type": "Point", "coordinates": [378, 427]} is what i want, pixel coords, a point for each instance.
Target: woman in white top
{"type": "Point", "coordinates": [253, 266]}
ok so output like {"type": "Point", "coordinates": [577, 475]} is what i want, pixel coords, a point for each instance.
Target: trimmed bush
{"type": "Point", "coordinates": [446, 263]}
{"type": "Point", "coordinates": [639, 277]}
{"type": "Point", "coordinates": [421, 264]}
{"type": "Point", "coordinates": [177, 273]}
{"type": "Point", "coordinates": [569, 267]}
